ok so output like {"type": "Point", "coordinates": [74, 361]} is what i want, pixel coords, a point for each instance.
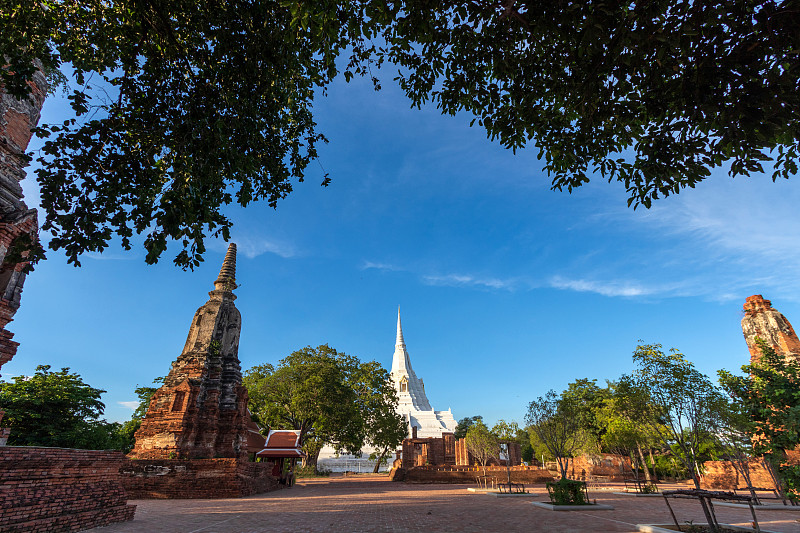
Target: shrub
{"type": "Point", "coordinates": [568, 492]}
{"type": "Point", "coordinates": [310, 471]}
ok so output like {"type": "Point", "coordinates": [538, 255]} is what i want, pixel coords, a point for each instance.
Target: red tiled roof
{"type": "Point", "coordinates": [280, 452]}
{"type": "Point", "coordinates": [283, 438]}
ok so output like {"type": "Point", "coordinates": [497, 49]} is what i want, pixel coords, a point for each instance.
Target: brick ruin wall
{"type": "Point", "coordinates": [17, 117]}
{"type": "Point", "coordinates": [469, 474]}
{"type": "Point", "coordinates": [195, 478]}
{"type": "Point", "coordinates": [722, 475]}
{"type": "Point", "coordinates": [608, 465]}
{"type": "Point", "coordinates": [43, 489]}
{"type": "Point", "coordinates": [447, 450]}
{"type": "Point", "coordinates": [59, 489]}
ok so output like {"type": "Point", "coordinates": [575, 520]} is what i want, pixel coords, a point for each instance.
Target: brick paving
{"type": "Point", "coordinates": [373, 504]}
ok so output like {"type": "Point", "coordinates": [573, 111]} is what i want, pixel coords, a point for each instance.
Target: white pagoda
{"type": "Point", "coordinates": [413, 403]}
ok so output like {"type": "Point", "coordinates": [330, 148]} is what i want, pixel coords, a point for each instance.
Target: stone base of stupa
{"type": "Point", "coordinates": [195, 478]}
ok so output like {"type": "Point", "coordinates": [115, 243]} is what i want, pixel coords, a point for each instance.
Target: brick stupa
{"type": "Point", "coordinates": [762, 321]}
{"type": "Point", "coordinates": [201, 410]}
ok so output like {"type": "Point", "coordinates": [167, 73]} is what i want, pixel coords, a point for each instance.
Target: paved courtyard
{"type": "Point", "coordinates": [374, 504]}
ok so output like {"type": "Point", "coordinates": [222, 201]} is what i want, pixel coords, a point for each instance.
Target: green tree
{"type": "Point", "coordinates": [681, 400]}
{"type": "Point", "coordinates": [651, 94]}
{"type": "Point", "coordinates": [331, 397]}
{"type": "Point", "coordinates": [308, 391]}
{"type": "Point", "coordinates": [179, 108]}
{"type": "Point", "coordinates": [482, 444]}
{"type": "Point", "coordinates": [769, 394]}
{"type": "Point", "coordinates": [589, 400]}
{"type": "Point", "coordinates": [464, 424]}
{"type": "Point", "coordinates": [506, 430]}
{"type": "Point", "coordinates": [128, 429]}
{"type": "Point", "coordinates": [556, 422]}
{"type": "Point", "coordinates": [182, 108]}
{"type": "Point", "coordinates": [56, 409]}
{"type": "Point", "coordinates": [377, 398]}
{"type": "Point", "coordinates": [625, 430]}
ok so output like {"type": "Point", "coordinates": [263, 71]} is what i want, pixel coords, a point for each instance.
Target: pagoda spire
{"type": "Point", "coordinates": [400, 341]}
{"type": "Point", "coordinates": [226, 281]}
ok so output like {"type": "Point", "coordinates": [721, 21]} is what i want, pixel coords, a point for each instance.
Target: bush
{"type": "Point", "coordinates": [648, 488]}
{"type": "Point", "coordinates": [568, 492]}
{"type": "Point", "coordinates": [310, 471]}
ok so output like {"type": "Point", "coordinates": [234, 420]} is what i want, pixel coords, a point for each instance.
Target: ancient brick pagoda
{"type": "Point", "coordinates": [766, 323]}
{"type": "Point", "coordinates": [201, 410]}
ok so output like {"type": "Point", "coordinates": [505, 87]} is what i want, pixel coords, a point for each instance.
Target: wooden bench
{"type": "Point", "coordinates": [511, 488]}
{"type": "Point", "coordinates": [638, 484]}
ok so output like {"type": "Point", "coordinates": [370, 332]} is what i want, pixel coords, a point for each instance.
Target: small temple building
{"type": "Point", "coordinates": [413, 402]}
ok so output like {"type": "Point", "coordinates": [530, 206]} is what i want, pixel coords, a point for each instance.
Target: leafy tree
{"type": "Point", "coordinates": [308, 391]}
{"type": "Point", "coordinates": [377, 398]}
{"type": "Point", "coordinates": [770, 395]}
{"type": "Point", "coordinates": [556, 422]}
{"type": "Point", "coordinates": [128, 429]}
{"type": "Point", "coordinates": [626, 427]}
{"type": "Point", "coordinates": [682, 401]}
{"type": "Point", "coordinates": [482, 444]}
{"type": "Point", "coordinates": [651, 94]}
{"type": "Point", "coordinates": [329, 396]}
{"type": "Point", "coordinates": [464, 424]}
{"type": "Point", "coordinates": [588, 399]}
{"type": "Point", "coordinates": [182, 108]}
{"type": "Point", "coordinates": [56, 409]}
{"type": "Point", "coordinates": [506, 430]}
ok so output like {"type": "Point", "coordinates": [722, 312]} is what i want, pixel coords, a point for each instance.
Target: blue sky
{"type": "Point", "coordinates": [506, 289]}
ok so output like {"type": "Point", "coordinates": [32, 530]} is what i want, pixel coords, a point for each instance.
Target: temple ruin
{"type": "Point", "coordinates": [201, 409]}
{"type": "Point", "coordinates": [197, 439]}
{"type": "Point", "coordinates": [763, 322]}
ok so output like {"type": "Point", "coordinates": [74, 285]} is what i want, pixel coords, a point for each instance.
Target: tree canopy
{"type": "Point", "coordinates": [769, 393]}
{"type": "Point", "coordinates": [56, 409]}
{"type": "Point", "coordinates": [331, 397]}
{"type": "Point", "coordinates": [556, 423]}
{"type": "Point", "coordinates": [482, 444]}
{"type": "Point", "coordinates": [184, 107]}
{"type": "Point", "coordinates": [464, 424]}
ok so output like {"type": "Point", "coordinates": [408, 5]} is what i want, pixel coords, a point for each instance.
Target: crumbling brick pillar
{"type": "Point", "coordinates": [763, 322]}
{"type": "Point", "coordinates": [17, 118]}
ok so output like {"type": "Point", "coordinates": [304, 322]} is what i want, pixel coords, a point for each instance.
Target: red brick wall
{"type": "Point", "coordinates": [721, 475]}
{"type": "Point", "coordinates": [460, 474]}
{"type": "Point", "coordinates": [195, 478]}
{"type": "Point", "coordinates": [616, 467]}
{"type": "Point", "coordinates": [58, 489]}
{"type": "Point", "coordinates": [445, 450]}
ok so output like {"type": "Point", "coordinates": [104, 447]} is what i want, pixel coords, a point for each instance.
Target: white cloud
{"type": "Point", "coordinates": [367, 265]}
{"type": "Point", "coordinates": [252, 247]}
{"type": "Point", "coordinates": [466, 280]}
{"type": "Point", "coordinates": [107, 256]}
{"type": "Point", "coordinates": [606, 288]}
{"type": "Point", "coordinates": [130, 405]}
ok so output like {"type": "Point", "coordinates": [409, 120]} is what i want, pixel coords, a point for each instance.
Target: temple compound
{"type": "Point", "coordinates": [197, 439]}
{"type": "Point", "coordinates": [413, 403]}
{"type": "Point", "coordinates": [762, 321]}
